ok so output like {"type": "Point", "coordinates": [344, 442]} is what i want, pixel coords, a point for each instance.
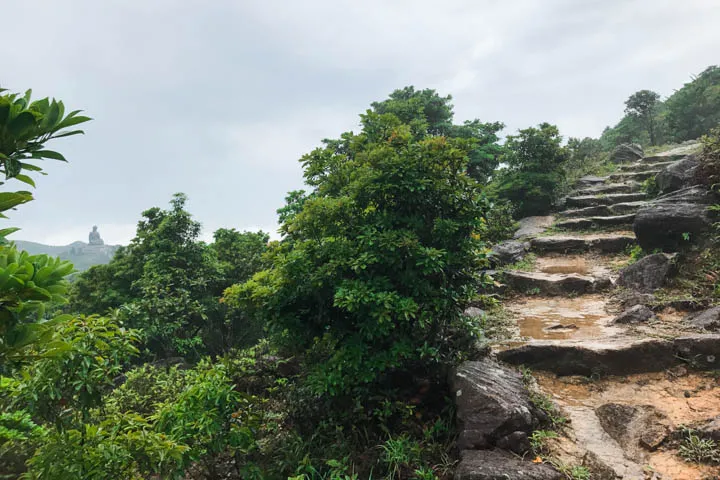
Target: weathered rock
{"type": "Point", "coordinates": [509, 251]}
{"type": "Point", "coordinates": [626, 207]}
{"type": "Point", "coordinates": [587, 211]}
{"type": "Point", "coordinates": [517, 442]}
{"type": "Point", "coordinates": [626, 152]}
{"type": "Point", "coordinates": [647, 274]}
{"type": "Point", "coordinates": [630, 298]}
{"type": "Point", "coordinates": [595, 200]}
{"type": "Point", "coordinates": [492, 403]}
{"type": "Point", "coordinates": [590, 180]}
{"type": "Point", "coordinates": [554, 283]}
{"type": "Point", "coordinates": [616, 356]}
{"type": "Point", "coordinates": [711, 429]}
{"type": "Point", "coordinates": [634, 426]}
{"type": "Point", "coordinates": [677, 175]}
{"type": "Point", "coordinates": [629, 187]}
{"type": "Point", "coordinates": [530, 226]}
{"type": "Point", "coordinates": [499, 465]}
{"type": "Point", "coordinates": [614, 220]}
{"type": "Point", "coordinates": [633, 176]}
{"type": "Point", "coordinates": [636, 314]}
{"type": "Point", "coordinates": [563, 244]}
{"type": "Point", "coordinates": [707, 320]}
{"type": "Point", "coordinates": [575, 224]}
{"type": "Point", "coordinates": [669, 226]}
{"type": "Point", "coordinates": [643, 166]}
{"type": "Point", "coordinates": [697, 194]}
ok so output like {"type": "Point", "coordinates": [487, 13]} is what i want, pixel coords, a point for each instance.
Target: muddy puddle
{"type": "Point", "coordinates": [560, 318]}
{"type": "Point", "coordinates": [684, 399]}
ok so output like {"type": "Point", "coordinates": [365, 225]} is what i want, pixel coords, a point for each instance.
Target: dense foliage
{"type": "Point", "coordinates": [379, 260]}
{"type": "Point", "coordinates": [169, 283]}
{"type": "Point", "coordinates": [535, 175]}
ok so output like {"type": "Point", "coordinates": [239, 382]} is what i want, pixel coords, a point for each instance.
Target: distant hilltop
{"type": "Point", "coordinates": [82, 255]}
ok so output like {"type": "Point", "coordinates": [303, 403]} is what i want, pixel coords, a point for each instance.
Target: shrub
{"type": "Point", "coordinates": [379, 261]}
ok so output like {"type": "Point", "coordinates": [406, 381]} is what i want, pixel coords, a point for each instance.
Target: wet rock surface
{"type": "Point", "coordinates": [500, 465]}
{"type": "Point", "coordinates": [647, 274]}
{"type": "Point", "coordinates": [492, 403]}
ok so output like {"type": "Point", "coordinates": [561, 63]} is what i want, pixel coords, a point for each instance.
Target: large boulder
{"type": "Point", "coordinates": [707, 320]}
{"type": "Point", "coordinates": [677, 175]}
{"type": "Point", "coordinates": [626, 152]}
{"type": "Point", "coordinates": [510, 251]}
{"type": "Point", "coordinates": [492, 405]}
{"type": "Point", "coordinates": [499, 465]}
{"type": "Point", "coordinates": [647, 274]}
{"type": "Point", "coordinates": [669, 226]}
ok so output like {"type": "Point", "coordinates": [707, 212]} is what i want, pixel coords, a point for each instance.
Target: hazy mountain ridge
{"type": "Point", "coordinates": [81, 254]}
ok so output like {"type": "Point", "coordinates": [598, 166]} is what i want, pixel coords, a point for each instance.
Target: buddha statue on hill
{"type": "Point", "coordinates": [94, 237]}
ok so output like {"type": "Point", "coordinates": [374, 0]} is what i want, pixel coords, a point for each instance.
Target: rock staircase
{"type": "Point", "coordinates": [594, 368]}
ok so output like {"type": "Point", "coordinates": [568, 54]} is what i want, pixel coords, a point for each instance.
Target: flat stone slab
{"type": "Point", "coordinates": [530, 226]}
{"type": "Point", "coordinates": [644, 166]}
{"type": "Point", "coordinates": [500, 465]}
{"type": "Point", "coordinates": [627, 207]}
{"type": "Point", "coordinates": [629, 187]}
{"type": "Point", "coordinates": [611, 199]}
{"type": "Point", "coordinates": [595, 222]}
{"type": "Point", "coordinates": [635, 176]}
{"type": "Point", "coordinates": [586, 211]}
{"type": "Point", "coordinates": [616, 355]}
{"type": "Point", "coordinates": [674, 154]}
{"type": "Point", "coordinates": [562, 244]}
{"type": "Point", "coordinates": [555, 283]}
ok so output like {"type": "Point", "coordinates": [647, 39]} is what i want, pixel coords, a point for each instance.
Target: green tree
{"type": "Point", "coordinates": [427, 113]}
{"type": "Point", "coordinates": [379, 260]}
{"type": "Point", "coordinates": [695, 109]}
{"type": "Point", "coordinates": [643, 105]}
{"type": "Point", "coordinates": [534, 175]}
{"type": "Point", "coordinates": [27, 283]}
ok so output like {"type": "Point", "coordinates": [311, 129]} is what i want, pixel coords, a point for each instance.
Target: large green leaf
{"type": "Point", "coordinates": [21, 124]}
{"type": "Point", "coordinates": [9, 200]}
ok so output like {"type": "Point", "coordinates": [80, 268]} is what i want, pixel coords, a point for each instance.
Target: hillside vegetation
{"type": "Point", "coordinates": [324, 355]}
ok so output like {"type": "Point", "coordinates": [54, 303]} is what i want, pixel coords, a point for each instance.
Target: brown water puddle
{"type": "Point", "coordinates": [685, 399]}
{"type": "Point", "coordinates": [561, 318]}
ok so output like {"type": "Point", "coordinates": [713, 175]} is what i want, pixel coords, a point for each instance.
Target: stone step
{"type": "Point", "coordinates": [629, 187]}
{"type": "Point", "coordinates": [636, 176]}
{"type": "Point", "coordinates": [589, 181]}
{"type": "Point", "coordinates": [616, 355]}
{"type": "Point", "coordinates": [663, 158]}
{"type": "Point", "coordinates": [555, 283]}
{"type": "Point", "coordinates": [596, 222]}
{"type": "Point", "coordinates": [610, 243]}
{"type": "Point", "coordinates": [643, 166]}
{"type": "Point", "coordinates": [610, 199]}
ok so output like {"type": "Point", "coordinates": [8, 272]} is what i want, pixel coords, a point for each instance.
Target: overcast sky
{"type": "Point", "coordinates": [219, 99]}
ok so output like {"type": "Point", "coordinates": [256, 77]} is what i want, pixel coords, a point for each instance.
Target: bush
{"type": "Point", "coordinates": [144, 388]}
{"type": "Point", "coordinates": [379, 261]}
{"type": "Point", "coordinates": [535, 174]}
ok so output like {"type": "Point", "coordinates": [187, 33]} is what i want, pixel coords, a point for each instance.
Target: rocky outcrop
{"type": "Point", "coordinates": [510, 251]}
{"type": "Point", "coordinates": [499, 465]}
{"type": "Point", "coordinates": [670, 226]}
{"type": "Point", "coordinates": [647, 274]}
{"type": "Point", "coordinates": [696, 194]}
{"type": "Point", "coordinates": [705, 320]}
{"type": "Point", "coordinates": [677, 175]}
{"type": "Point", "coordinates": [626, 152]}
{"type": "Point", "coordinates": [492, 404]}
{"type": "Point", "coordinates": [635, 314]}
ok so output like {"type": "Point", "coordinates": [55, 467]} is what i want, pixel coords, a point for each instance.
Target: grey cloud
{"type": "Point", "coordinates": [219, 99]}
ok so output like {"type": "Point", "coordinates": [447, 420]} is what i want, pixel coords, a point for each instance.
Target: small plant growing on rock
{"type": "Point", "coordinates": [538, 440]}
{"type": "Point", "coordinates": [699, 450]}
